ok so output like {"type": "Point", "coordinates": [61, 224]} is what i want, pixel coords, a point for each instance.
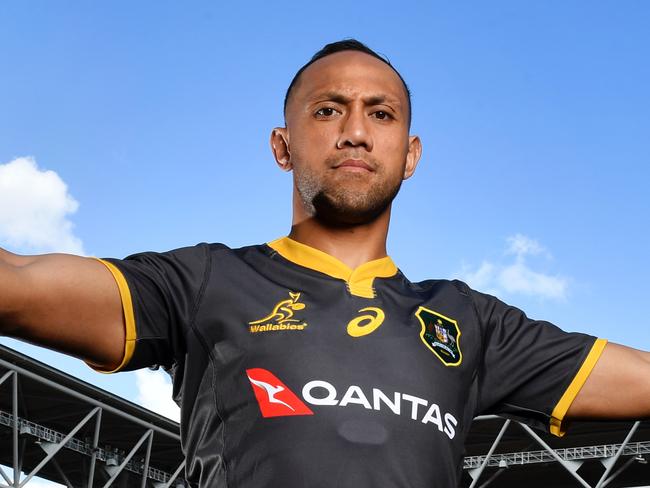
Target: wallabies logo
{"type": "Point", "coordinates": [281, 317]}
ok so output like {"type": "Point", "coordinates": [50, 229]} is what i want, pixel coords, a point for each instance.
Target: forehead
{"type": "Point", "coordinates": [351, 73]}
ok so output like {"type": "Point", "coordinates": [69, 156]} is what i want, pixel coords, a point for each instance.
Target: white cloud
{"type": "Point", "coordinates": [482, 278]}
{"type": "Point", "coordinates": [516, 278]}
{"type": "Point", "coordinates": [155, 393]}
{"type": "Point", "coordinates": [519, 278]}
{"type": "Point", "coordinates": [520, 245]}
{"type": "Point", "coordinates": [34, 209]}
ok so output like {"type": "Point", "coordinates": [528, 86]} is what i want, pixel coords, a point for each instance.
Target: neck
{"type": "Point", "coordinates": [352, 245]}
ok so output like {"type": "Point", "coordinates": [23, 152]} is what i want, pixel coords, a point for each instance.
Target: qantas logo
{"type": "Point", "coordinates": [277, 400]}
{"type": "Point", "coordinates": [273, 396]}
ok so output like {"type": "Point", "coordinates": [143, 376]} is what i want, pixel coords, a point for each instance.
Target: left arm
{"type": "Point", "coordinates": [617, 388]}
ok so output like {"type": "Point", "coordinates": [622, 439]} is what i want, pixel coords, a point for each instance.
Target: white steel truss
{"type": "Point", "coordinates": [571, 459]}
{"type": "Point", "coordinates": [25, 434]}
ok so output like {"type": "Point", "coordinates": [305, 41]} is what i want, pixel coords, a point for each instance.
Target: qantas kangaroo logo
{"type": "Point", "coordinates": [271, 391]}
{"type": "Point", "coordinates": [273, 396]}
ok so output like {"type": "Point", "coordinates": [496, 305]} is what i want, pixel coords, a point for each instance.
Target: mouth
{"type": "Point", "coordinates": [356, 165]}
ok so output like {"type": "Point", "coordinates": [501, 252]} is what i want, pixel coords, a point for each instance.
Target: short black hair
{"type": "Point", "coordinates": [345, 45]}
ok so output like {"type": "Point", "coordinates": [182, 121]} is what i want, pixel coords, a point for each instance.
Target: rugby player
{"type": "Point", "coordinates": [312, 361]}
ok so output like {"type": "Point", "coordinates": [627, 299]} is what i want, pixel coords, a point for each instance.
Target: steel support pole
{"type": "Point", "coordinates": [22, 445]}
{"type": "Point", "coordinates": [610, 463]}
{"type": "Point", "coordinates": [5, 376]}
{"type": "Point", "coordinates": [550, 450]}
{"type": "Point", "coordinates": [121, 467]}
{"type": "Point", "coordinates": [93, 457]}
{"type": "Point", "coordinates": [175, 475]}
{"type": "Point", "coordinates": [626, 465]}
{"type": "Point", "coordinates": [62, 474]}
{"type": "Point", "coordinates": [57, 447]}
{"type": "Point", "coordinates": [89, 400]}
{"type": "Point", "coordinates": [476, 474]}
{"type": "Point", "coordinates": [14, 411]}
{"type": "Point", "coordinates": [14, 441]}
{"type": "Point", "coordinates": [493, 477]}
{"type": "Point", "coordinates": [147, 457]}
{"type": "Point", "coordinates": [5, 477]}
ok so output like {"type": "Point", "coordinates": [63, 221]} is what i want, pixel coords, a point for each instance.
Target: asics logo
{"type": "Point", "coordinates": [367, 323]}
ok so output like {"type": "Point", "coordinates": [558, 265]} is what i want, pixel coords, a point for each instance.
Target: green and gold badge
{"type": "Point", "coordinates": [441, 335]}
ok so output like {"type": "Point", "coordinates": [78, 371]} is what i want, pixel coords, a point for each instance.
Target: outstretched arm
{"type": "Point", "coordinates": [63, 302]}
{"type": "Point", "coordinates": [617, 388]}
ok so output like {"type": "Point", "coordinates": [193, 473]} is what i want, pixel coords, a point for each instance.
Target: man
{"type": "Point", "coordinates": [312, 361]}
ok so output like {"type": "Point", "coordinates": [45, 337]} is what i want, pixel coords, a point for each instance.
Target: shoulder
{"type": "Point", "coordinates": [203, 251]}
{"type": "Point", "coordinates": [441, 286]}
{"type": "Point", "coordinates": [198, 258]}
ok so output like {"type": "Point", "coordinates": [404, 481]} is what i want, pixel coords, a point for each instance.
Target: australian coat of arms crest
{"type": "Point", "coordinates": [441, 335]}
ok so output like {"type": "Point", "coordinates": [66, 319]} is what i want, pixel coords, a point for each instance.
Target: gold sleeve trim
{"type": "Point", "coordinates": [557, 417]}
{"type": "Point", "coordinates": [129, 318]}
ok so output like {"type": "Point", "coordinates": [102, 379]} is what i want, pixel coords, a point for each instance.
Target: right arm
{"type": "Point", "coordinates": [68, 303]}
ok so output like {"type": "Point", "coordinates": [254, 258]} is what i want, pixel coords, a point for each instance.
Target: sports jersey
{"type": "Point", "coordinates": [294, 370]}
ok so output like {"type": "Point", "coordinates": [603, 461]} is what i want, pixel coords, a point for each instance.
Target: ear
{"type": "Point", "coordinates": [280, 148]}
{"type": "Point", "coordinates": [413, 156]}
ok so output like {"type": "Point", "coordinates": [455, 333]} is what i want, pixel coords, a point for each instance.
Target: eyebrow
{"type": "Point", "coordinates": [338, 97]}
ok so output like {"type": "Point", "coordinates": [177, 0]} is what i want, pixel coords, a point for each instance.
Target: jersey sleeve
{"type": "Point", "coordinates": [160, 293]}
{"type": "Point", "coordinates": [531, 370]}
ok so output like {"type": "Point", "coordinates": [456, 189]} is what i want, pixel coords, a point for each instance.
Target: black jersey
{"type": "Point", "coordinates": [294, 370]}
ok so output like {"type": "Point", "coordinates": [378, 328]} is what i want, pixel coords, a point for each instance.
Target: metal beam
{"type": "Point", "coordinates": [174, 476]}
{"type": "Point", "coordinates": [610, 462]}
{"type": "Point", "coordinates": [48, 447]}
{"type": "Point", "coordinates": [4, 476]}
{"type": "Point", "coordinates": [476, 474]}
{"type": "Point", "coordinates": [562, 462]}
{"type": "Point", "coordinates": [14, 409]}
{"type": "Point", "coordinates": [568, 454]}
{"type": "Point", "coordinates": [90, 400]}
{"type": "Point", "coordinates": [76, 445]}
{"type": "Point", "coordinates": [22, 433]}
{"type": "Point", "coordinates": [493, 477]}
{"type": "Point", "coordinates": [57, 447]}
{"type": "Point", "coordinates": [147, 457]}
{"type": "Point", "coordinates": [121, 467]}
{"type": "Point", "coordinates": [93, 455]}
{"type": "Point", "coordinates": [619, 471]}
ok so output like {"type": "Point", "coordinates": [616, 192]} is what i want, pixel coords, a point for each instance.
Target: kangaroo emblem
{"type": "Point", "coordinates": [283, 312]}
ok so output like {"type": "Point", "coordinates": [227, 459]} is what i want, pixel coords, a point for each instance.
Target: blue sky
{"type": "Point", "coordinates": [154, 118]}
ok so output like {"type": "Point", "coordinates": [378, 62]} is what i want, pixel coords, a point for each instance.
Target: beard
{"type": "Point", "coordinates": [345, 200]}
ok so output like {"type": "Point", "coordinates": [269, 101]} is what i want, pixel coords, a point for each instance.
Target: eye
{"type": "Point", "coordinates": [326, 112]}
{"type": "Point", "coordinates": [381, 115]}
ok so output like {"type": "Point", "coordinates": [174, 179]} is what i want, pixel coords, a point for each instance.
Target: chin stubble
{"type": "Point", "coordinates": [340, 206]}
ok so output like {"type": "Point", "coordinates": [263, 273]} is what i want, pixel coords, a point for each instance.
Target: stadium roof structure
{"type": "Point", "coordinates": [505, 453]}
{"type": "Point", "coordinates": [78, 435]}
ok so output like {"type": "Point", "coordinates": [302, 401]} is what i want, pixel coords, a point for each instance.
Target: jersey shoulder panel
{"type": "Point", "coordinates": [161, 292]}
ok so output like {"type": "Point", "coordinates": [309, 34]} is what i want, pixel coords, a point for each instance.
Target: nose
{"type": "Point", "coordinates": [355, 131]}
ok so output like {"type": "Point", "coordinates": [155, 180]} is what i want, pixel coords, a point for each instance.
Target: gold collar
{"type": "Point", "coordinates": [359, 280]}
